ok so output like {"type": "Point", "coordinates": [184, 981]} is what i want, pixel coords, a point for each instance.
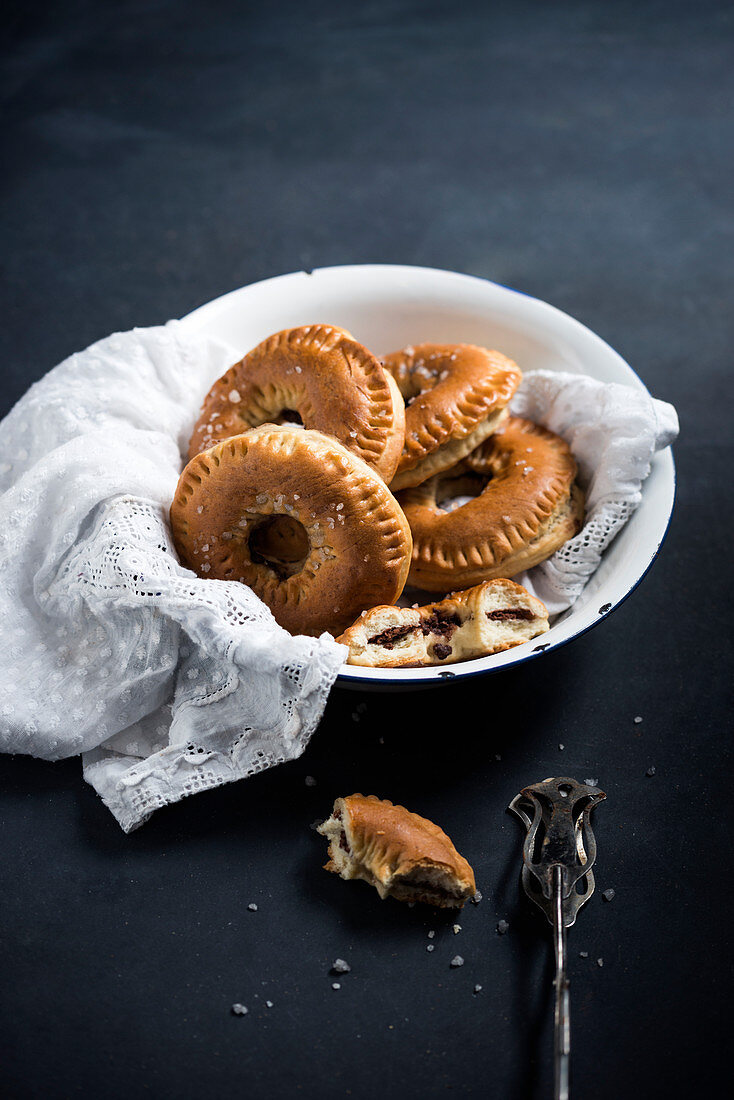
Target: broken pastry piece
{"type": "Point", "coordinates": [396, 851]}
{"type": "Point", "coordinates": [486, 619]}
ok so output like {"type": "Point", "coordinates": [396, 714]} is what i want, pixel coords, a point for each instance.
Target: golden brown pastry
{"type": "Point", "coordinates": [305, 523]}
{"type": "Point", "coordinates": [456, 396]}
{"type": "Point", "coordinates": [526, 507]}
{"type": "Point", "coordinates": [396, 851]}
{"type": "Point", "coordinates": [319, 376]}
{"type": "Point", "coordinates": [488, 618]}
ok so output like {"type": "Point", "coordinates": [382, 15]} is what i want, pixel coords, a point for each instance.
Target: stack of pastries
{"type": "Point", "coordinates": [328, 480]}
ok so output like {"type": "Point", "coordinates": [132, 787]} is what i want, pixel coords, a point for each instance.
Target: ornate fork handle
{"type": "Point", "coordinates": [558, 855]}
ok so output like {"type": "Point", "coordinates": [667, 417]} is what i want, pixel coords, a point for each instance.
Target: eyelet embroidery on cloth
{"type": "Point", "coordinates": [109, 633]}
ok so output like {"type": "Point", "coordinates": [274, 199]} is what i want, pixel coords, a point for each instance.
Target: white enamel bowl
{"type": "Point", "coordinates": [387, 307]}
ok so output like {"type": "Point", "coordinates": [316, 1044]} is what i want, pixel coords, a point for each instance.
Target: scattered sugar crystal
{"type": "Point", "coordinates": [252, 907]}
{"type": "Point", "coordinates": [200, 509]}
{"type": "Point", "coordinates": [637, 720]}
{"type": "Point", "coordinates": [234, 396]}
{"type": "Point", "coordinates": [457, 929]}
{"type": "Point", "coordinates": [205, 547]}
{"type": "Point", "coordinates": [239, 1010]}
{"type": "Point", "coordinates": [456, 961]}
{"type": "Point", "coordinates": [298, 370]}
{"type": "Point", "coordinates": [205, 567]}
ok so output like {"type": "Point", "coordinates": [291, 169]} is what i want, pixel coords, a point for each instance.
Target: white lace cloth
{"type": "Point", "coordinates": [168, 684]}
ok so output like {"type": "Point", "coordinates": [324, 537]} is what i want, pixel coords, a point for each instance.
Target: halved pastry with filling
{"type": "Point", "coordinates": [488, 618]}
{"type": "Point", "coordinates": [398, 852]}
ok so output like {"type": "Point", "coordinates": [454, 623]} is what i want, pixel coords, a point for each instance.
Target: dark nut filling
{"type": "Point", "coordinates": [442, 651]}
{"type": "Point", "coordinates": [442, 623]}
{"type": "Point", "coordinates": [510, 613]}
{"type": "Point", "coordinates": [391, 635]}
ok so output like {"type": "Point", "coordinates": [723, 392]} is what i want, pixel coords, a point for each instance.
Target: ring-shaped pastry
{"type": "Point", "coordinates": [526, 506]}
{"type": "Point", "coordinates": [456, 396]}
{"type": "Point", "coordinates": [320, 376]}
{"type": "Point", "coordinates": [305, 523]}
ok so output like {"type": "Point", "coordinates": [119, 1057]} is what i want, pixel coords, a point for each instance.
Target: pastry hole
{"type": "Point", "coordinates": [280, 542]}
{"type": "Point", "coordinates": [288, 416]}
{"type": "Point", "coordinates": [454, 492]}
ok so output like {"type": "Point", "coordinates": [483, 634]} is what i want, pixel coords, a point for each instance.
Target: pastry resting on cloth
{"type": "Point", "coordinates": [488, 618]}
{"type": "Point", "coordinates": [398, 852]}
{"type": "Point", "coordinates": [526, 506]}
{"type": "Point", "coordinates": [456, 395]}
{"type": "Point", "coordinates": [306, 524]}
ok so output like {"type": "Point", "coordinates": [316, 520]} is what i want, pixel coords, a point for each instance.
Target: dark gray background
{"type": "Point", "coordinates": [159, 154]}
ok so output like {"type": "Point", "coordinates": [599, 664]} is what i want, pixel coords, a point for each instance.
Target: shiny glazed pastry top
{"type": "Point", "coordinates": [305, 523]}
{"type": "Point", "coordinates": [456, 395]}
{"type": "Point", "coordinates": [318, 376]}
